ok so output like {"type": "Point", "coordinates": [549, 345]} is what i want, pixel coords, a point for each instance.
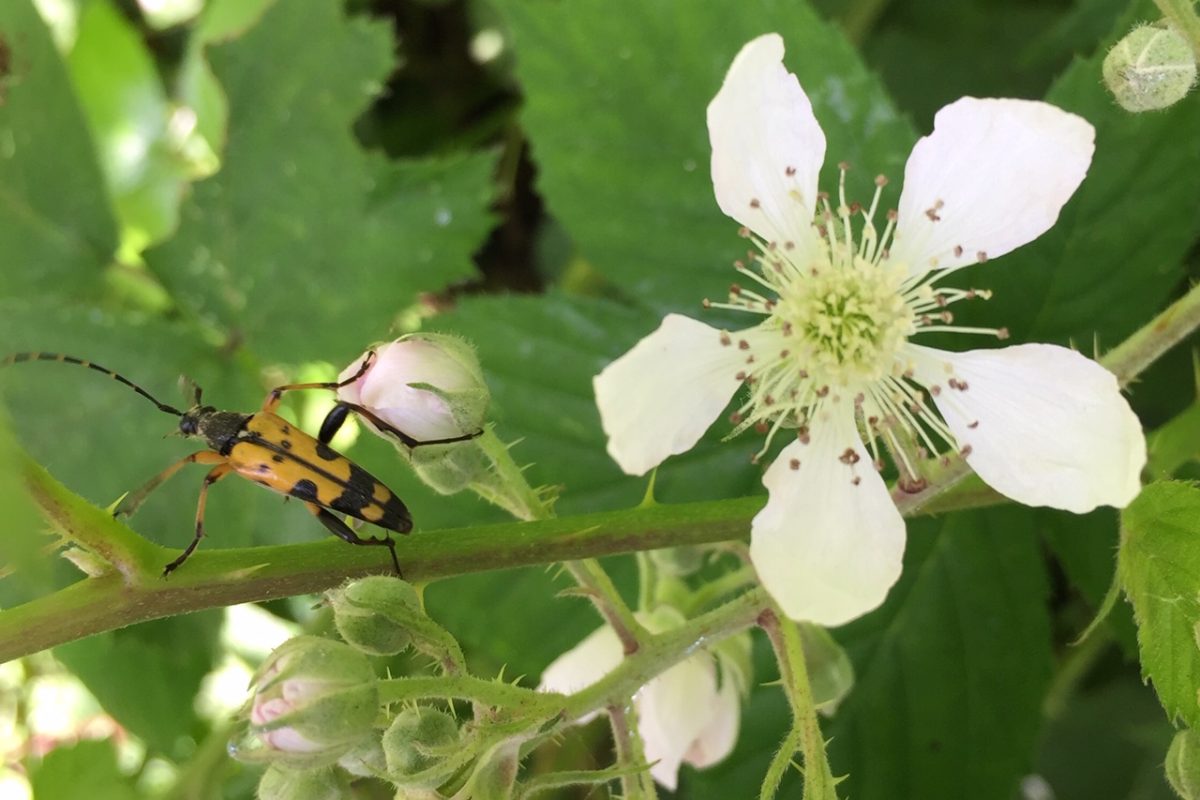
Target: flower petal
{"type": "Point", "coordinates": [674, 710]}
{"type": "Point", "coordinates": [584, 664]}
{"type": "Point", "coordinates": [829, 543]}
{"type": "Point", "coordinates": [659, 398]}
{"type": "Point", "coordinates": [1045, 425]}
{"type": "Point", "coordinates": [992, 176]}
{"type": "Point", "coordinates": [720, 735]}
{"type": "Point", "coordinates": [767, 147]}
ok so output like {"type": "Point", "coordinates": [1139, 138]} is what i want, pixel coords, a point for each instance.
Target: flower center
{"type": "Point", "coordinates": [837, 312]}
{"type": "Point", "coordinates": [848, 320]}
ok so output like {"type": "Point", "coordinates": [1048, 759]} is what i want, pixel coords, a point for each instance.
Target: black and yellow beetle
{"type": "Point", "coordinates": [267, 449]}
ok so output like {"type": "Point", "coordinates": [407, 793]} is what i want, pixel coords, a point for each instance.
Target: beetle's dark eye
{"type": "Point", "coordinates": [187, 426]}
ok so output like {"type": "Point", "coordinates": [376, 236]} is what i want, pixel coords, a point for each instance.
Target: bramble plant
{"type": "Point", "coordinates": [863, 532]}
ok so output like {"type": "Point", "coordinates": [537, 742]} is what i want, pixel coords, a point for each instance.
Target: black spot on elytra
{"type": "Point", "coordinates": [305, 490]}
{"type": "Point", "coordinates": [278, 459]}
{"type": "Point", "coordinates": [329, 454]}
{"type": "Point", "coordinates": [287, 429]}
{"type": "Point", "coordinates": [395, 516]}
{"type": "Point", "coordinates": [286, 444]}
{"type": "Point", "coordinates": [357, 493]}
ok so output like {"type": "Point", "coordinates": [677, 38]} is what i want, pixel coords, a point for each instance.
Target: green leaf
{"type": "Point", "coordinates": [1118, 247]}
{"type": "Point", "coordinates": [304, 246]}
{"type": "Point", "coordinates": [92, 764]}
{"type": "Point", "coordinates": [147, 676]}
{"type": "Point", "coordinates": [56, 228]}
{"type": "Point", "coordinates": [1159, 564]}
{"type": "Point", "coordinates": [950, 675]}
{"type": "Point", "coordinates": [631, 184]}
{"type": "Point", "coordinates": [128, 113]}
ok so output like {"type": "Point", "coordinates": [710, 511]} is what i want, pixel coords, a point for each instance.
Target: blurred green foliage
{"type": "Point", "coordinates": [269, 187]}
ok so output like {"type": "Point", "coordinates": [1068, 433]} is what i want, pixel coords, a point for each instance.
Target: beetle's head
{"type": "Point", "coordinates": [192, 421]}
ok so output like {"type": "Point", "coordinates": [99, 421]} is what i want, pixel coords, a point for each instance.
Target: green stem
{"type": "Point", "coordinates": [465, 687]}
{"type": "Point", "coordinates": [1130, 358]}
{"type": "Point", "coordinates": [1182, 16]}
{"type": "Point", "coordinates": [819, 783]}
{"type": "Point", "coordinates": [635, 784]}
{"type": "Point", "coordinates": [660, 651]}
{"type": "Point", "coordinates": [595, 583]}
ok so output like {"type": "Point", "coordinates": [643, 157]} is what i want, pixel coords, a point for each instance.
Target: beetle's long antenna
{"type": "Point", "coordinates": [17, 358]}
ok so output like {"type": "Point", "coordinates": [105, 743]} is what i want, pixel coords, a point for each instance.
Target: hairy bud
{"type": "Point", "coordinates": [1152, 68]}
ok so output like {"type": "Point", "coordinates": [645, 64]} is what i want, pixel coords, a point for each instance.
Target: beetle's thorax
{"type": "Point", "coordinates": [218, 428]}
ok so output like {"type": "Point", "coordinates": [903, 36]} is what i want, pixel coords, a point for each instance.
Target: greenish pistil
{"type": "Point", "coordinates": [836, 314]}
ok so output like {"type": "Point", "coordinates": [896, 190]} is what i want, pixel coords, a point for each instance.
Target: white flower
{"type": "Point", "coordinates": [683, 715]}
{"type": "Point", "coordinates": [830, 359]}
{"type": "Point", "coordinates": [427, 385]}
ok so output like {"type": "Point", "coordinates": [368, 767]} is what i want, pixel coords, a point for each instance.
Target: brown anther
{"type": "Point", "coordinates": [1002, 334]}
{"type": "Point", "coordinates": [849, 457]}
{"type": "Point", "coordinates": [966, 451]}
{"type": "Point", "coordinates": [794, 464]}
{"type": "Point", "coordinates": [741, 375]}
{"type": "Point", "coordinates": [749, 359]}
{"type": "Point", "coordinates": [878, 464]}
{"type": "Point", "coordinates": [823, 391]}
{"type": "Point", "coordinates": [783, 353]}
{"type": "Point", "coordinates": [881, 181]}
{"type": "Point", "coordinates": [789, 245]}
{"type": "Point", "coordinates": [734, 289]}
{"type": "Point", "coordinates": [743, 344]}
{"type": "Point", "coordinates": [958, 250]}
{"type": "Point", "coordinates": [911, 485]}
{"type": "Point", "coordinates": [754, 203]}
{"type": "Point", "coordinates": [768, 400]}
{"type": "Point", "coordinates": [761, 427]}
{"type": "Point", "coordinates": [787, 329]}
{"type": "Point", "coordinates": [947, 317]}
{"type": "Point", "coordinates": [981, 256]}
{"type": "Point", "coordinates": [789, 171]}
{"type": "Point", "coordinates": [706, 303]}
{"type": "Point", "coordinates": [802, 374]}
{"type": "Point", "coordinates": [855, 207]}
{"type": "Point", "coordinates": [725, 339]}
{"type": "Point", "coordinates": [872, 421]}
{"type": "Point", "coordinates": [739, 264]}
{"type": "Point", "coordinates": [855, 481]}
{"type": "Point", "coordinates": [973, 425]}
{"type": "Point", "coordinates": [859, 399]}
{"type": "Point", "coordinates": [735, 418]}
{"type": "Point", "coordinates": [822, 196]}
{"type": "Point", "coordinates": [892, 215]}
{"type": "Point", "coordinates": [744, 232]}
{"type": "Point", "coordinates": [844, 166]}
{"type": "Point", "coordinates": [941, 301]}
{"type": "Point", "coordinates": [972, 294]}
{"type": "Point", "coordinates": [933, 215]}
{"type": "Point", "coordinates": [935, 390]}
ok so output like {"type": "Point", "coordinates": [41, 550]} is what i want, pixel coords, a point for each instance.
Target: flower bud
{"type": "Point", "coordinates": [365, 759]}
{"type": "Point", "coordinates": [314, 699]}
{"type": "Point", "coordinates": [416, 741]}
{"type": "Point", "coordinates": [1153, 67]}
{"type": "Point", "coordinates": [281, 783]}
{"type": "Point", "coordinates": [427, 385]}
{"type": "Point", "coordinates": [1183, 764]}
{"type": "Point", "coordinates": [373, 614]}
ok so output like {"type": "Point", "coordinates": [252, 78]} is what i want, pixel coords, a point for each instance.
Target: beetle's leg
{"type": "Point", "coordinates": [342, 531]}
{"type": "Point", "coordinates": [333, 423]}
{"type": "Point", "coordinates": [273, 396]}
{"type": "Point", "coordinates": [214, 475]}
{"type": "Point", "coordinates": [130, 502]}
{"type": "Point", "coordinates": [408, 441]}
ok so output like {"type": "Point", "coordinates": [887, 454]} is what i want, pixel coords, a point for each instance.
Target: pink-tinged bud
{"type": "Point", "coordinates": [427, 385]}
{"type": "Point", "coordinates": [314, 699]}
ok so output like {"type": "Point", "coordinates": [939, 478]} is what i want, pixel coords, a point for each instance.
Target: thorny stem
{"type": "Point", "coordinates": [819, 782]}
{"type": "Point", "coordinates": [135, 591]}
{"type": "Point", "coordinates": [1182, 16]}
{"type": "Point", "coordinates": [628, 745]}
